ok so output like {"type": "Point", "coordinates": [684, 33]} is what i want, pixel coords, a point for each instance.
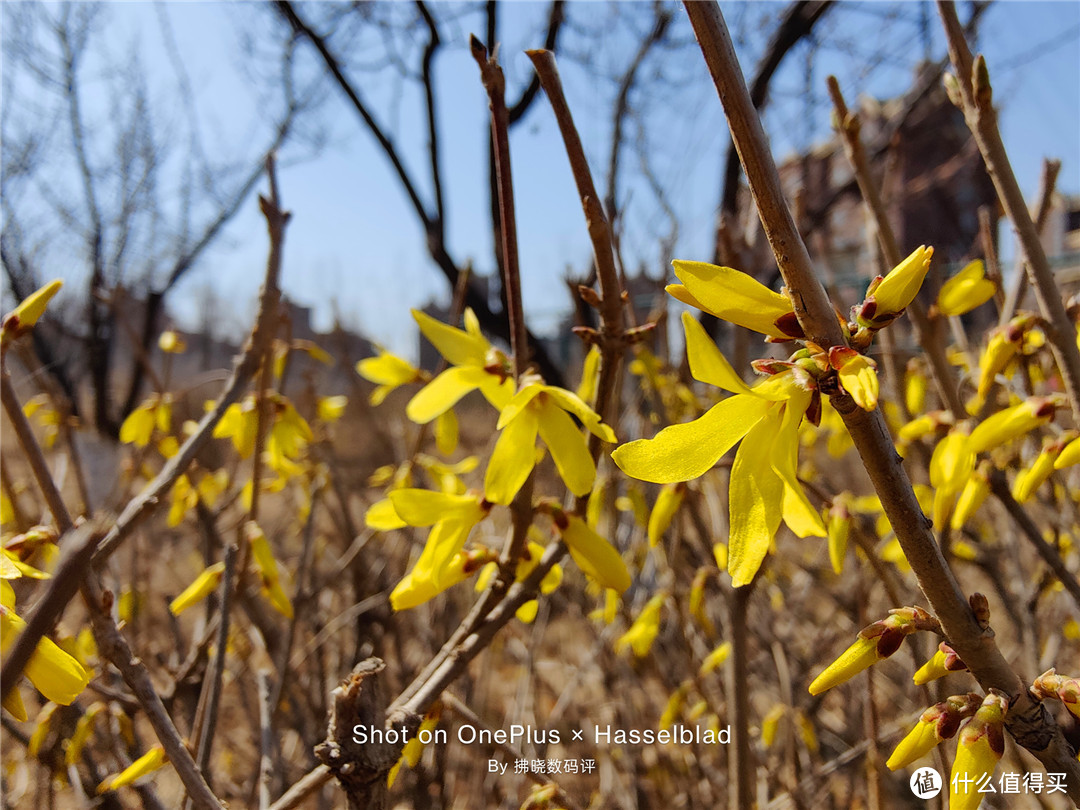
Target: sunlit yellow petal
{"type": "Point", "coordinates": [444, 391]}
{"type": "Point", "coordinates": [735, 297]}
{"type": "Point", "coordinates": [595, 555]}
{"type": "Point", "coordinates": [966, 290]}
{"type": "Point", "coordinates": [203, 586]}
{"type": "Point", "coordinates": [27, 313]}
{"type": "Point", "coordinates": [689, 450]}
{"type": "Point", "coordinates": [856, 658]}
{"type": "Point", "coordinates": [901, 285]}
{"type": "Point", "coordinates": [460, 348]}
{"type": "Point", "coordinates": [755, 498]}
{"type": "Point", "coordinates": [512, 459]}
{"type": "Point", "coordinates": [149, 762]}
{"type": "Point", "coordinates": [568, 447]}
{"type": "Point", "coordinates": [919, 742]}
{"type": "Point", "coordinates": [424, 507]}
{"type": "Point", "coordinates": [645, 628]}
{"type": "Point", "coordinates": [707, 363]}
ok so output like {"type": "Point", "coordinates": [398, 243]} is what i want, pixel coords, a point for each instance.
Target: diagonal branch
{"type": "Point", "coordinates": [1028, 721]}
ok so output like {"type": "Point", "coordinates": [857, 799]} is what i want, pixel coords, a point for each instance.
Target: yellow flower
{"type": "Point", "coordinates": [735, 297]}
{"type": "Point", "coordinates": [859, 656]}
{"type": "Point", "coordinates": [966, 290]}
{"type": "Point", "coordinates": [858, 375]}
{"type": "Point", "coordinates": [715, 659]}
{"type": "Point", "coordinates": [171, 343]}
{"type": "Point", "coordinates": [950, 469]}
{"type": "Point", "coordinates": [476, 365]}
{"type": "Point", "coordinates": [593, 554]}
{"type": "Point", "coordinates": [1030, 479]}
{"type": "Point", "coordinates": [887, 299]}
{"type": "Point", "coordinates": [330, 409]}
{"type": "Point", "coordinates": [54, 673]}
{"type": "Point", "coordinates": [643, 631]}
{"type": "Point", "coordinates": [838, 526]}
{"type": "Point", "coordinates": [763, 487]}
{"type": "Point", "coordinates": [204, 585]}
{"type": "Point", "coordinates": [544, 410]}
{"type": "Point", "coordinates": [149, 762]}
{"type": "Point", "coordinates": [239, 423]}
{"type": "Point", "coordinates": [981, 744]}
{"type": "Point", "coordinates": [1010, 423]}
{"type": "Point", "coordinates": [268, 569]}
{"type": "Point", "coordinates": [452, 518]}
{"type": "Point", "coordinates": [140, 423]}
{"type": "Point", "coordinates": [876, 642]}
{"type": "Point", "coordinates": [975, 491]}
{"type": "Point", "coordinates": [387, 371]}
{"type": "Point", "coordinates": [919, 742]}
{"type": "Point", "coordinates": [914, 388]}
{"type": "Point", "coordinates": [22, 319]}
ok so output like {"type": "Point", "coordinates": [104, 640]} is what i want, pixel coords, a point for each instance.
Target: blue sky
{"type": "Point", "coordinates": [354, 240]}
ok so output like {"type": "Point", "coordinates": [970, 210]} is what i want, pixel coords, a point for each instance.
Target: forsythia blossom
{"type": "Point", "coordinates": [764, 489]}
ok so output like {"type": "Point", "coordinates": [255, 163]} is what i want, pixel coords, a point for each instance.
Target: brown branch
{"type": "Point", "coordinates": [1027, 719]}
{"type": "Point", "coordinates": [215, 681]}
{"type": "Point", "coordinates": [974, 97]}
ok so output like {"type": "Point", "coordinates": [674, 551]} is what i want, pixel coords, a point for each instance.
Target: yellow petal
{"type": "Point", "coordinates": [735, 297]}
{"type": "Point", "coordinates": [512, 459]}
{"type": "Point", "coordinates": [425, 507]}
{"type": "Point", "coordinates": [689, 450]}
{"type": "Point", "coordinates": [203, 586]}
{"type": "Point", "coordinates": [568, 447]}
{"type": "Point", "coordinates": [931, 670]}
{"type": "Point", "coordinates": [446, 432]}
{"type": "Point", "coordinates": [716, 658]}
{"type": "Point", "coordinates": [26, 314]}
{"type": "Point", "coordinates": [667, 504]}
{"type": "Point", "coordinates": [460, 348]}
{"type": "Point", "coordinates": [901, 285]}
{"type": "Point", "coordinates": [382, 516]}
{"type": "Point", "coordinates": [859, 378]}
{"type": "Point", "coordinates": [138, 426]}
{"type": "Point", "coordinates": [387, 369]}
{"type": "Point", "coordinates": [55, 674]}
{"type": "Point", "coordinates": [856, 658]}
{"type": "Point", "coordinates": [1069, 456]}
{"type": "Point", "coordinates": [330, 409]}
{"type": "Point", "coordinates": [444, 391]}
{"type": "Point", "coordinates": [14, 705]}
{"type": "Point", "coordinates": [590, 375]}
{"type": "Point", "coordinates": [1008, 424]}
{"type": "Point", "coordinates": [707, 363]}
{"type": "Point", "coordinates": [755, 498]}
{"type": "Point", "coordinates": [974, 758]}
{"type": "Point", "coordinates": [645, 628]}
{"type": "Point", "coordinates": [966, 290]}
{"type": "Point", "coordinates": [149, 762]}
{"type": "Point", "coordinates": [571, 403]}
{"type": "Point", "coordinates": [919, 742]}
{"type": "Point", "coordinates": [595, 556]}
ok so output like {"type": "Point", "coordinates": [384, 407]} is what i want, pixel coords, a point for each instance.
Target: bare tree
{"type": "Point", "coordinates": [128, 192]}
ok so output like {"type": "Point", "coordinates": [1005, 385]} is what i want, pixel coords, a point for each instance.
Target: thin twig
{"type": "Point", "coordinates": [266, 738]}
{"type": "Point", "coordinates": [209, 726]}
